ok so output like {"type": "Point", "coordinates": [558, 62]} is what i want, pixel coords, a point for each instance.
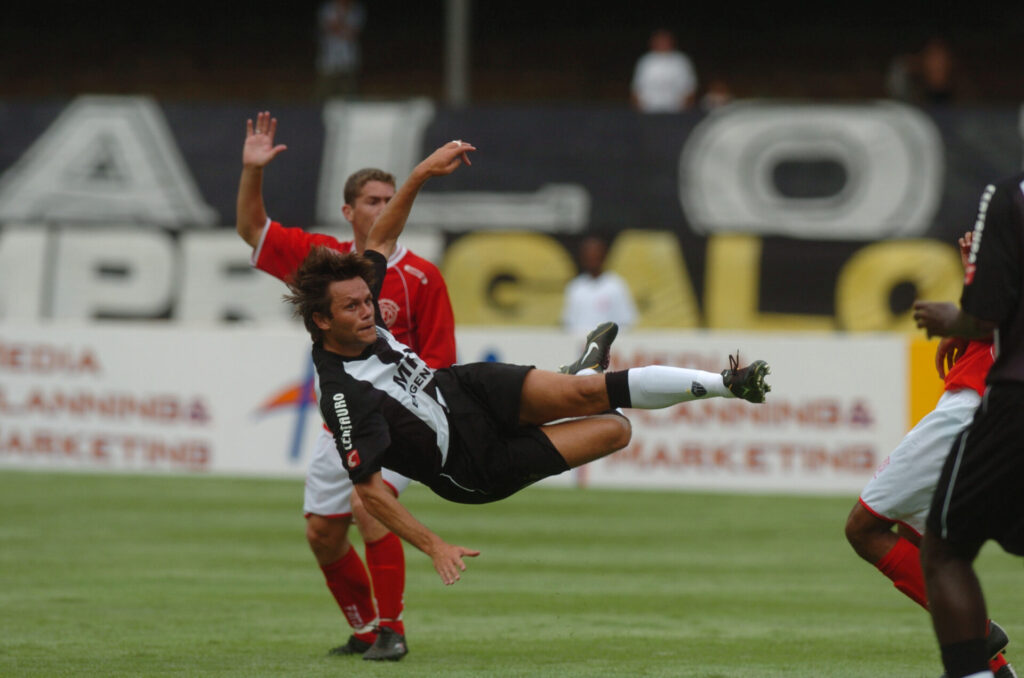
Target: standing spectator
{"type": "Point", "coordinates": [339, 23]}
{"type": "Point", "coordinates": [925, 77]}
{"type": "Point", "coordinates": [596, 295]}
{"type": "Point", "coordinates": [718, 93]}
{"type": "Point", "coordinates": [664, 80]}
{"type": "Point", "coordinates": [978, 496]}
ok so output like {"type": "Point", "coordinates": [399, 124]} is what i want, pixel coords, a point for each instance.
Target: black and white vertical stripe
{"type": "Point", "coordinates": [393, 405]}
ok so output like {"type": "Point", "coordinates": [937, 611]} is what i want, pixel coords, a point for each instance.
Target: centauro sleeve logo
{"type": "Point", "coordinates": [344, 424]}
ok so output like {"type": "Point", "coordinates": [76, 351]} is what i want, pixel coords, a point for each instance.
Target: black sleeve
{"type": "Point", "coordinates": [380, 269]}
{"type": "Point", "coordinates": [991, 283]}
{"type": "Point", "coordinates": [361, 434]}
{"type": "Point", "coordinates": [372, 438]}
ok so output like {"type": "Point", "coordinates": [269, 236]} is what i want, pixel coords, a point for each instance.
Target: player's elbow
{"type": "Point", "coordinates": [374, 498]}
{"type": "Point", "coordinates": [249, 231]}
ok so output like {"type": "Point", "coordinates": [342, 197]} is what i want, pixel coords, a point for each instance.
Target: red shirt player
{"type": "Point", "coordinates": [415, 304]}
{"type": "Point", "coordinates": [900, 493]}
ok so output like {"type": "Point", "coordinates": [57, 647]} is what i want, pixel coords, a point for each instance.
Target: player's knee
{"type": "Point", "coordinates": [325, 536]}
{"type": "Point", "coordinates": [854, 532]}
{"type": "Point", "coordinates": [620, 431]}
{"type": "Point", "coordinates": [589, 393]}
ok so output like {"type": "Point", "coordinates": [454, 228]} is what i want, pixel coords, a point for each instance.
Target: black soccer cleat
{"type": "Point", "coordinates": [596, 354]}
{"type": "Point", "coordinates": [1006, 671]}
{"type": "Point", "coordinates": [748, 382]}
{"type": "Point", "coordinates": [352, 646]}
{"type": "Point", "coordinates": [996, 642]}
{"type": "Point", "coordinates": [389, 646]}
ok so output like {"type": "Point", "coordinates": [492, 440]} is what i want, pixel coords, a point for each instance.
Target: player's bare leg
{"type": "Point", "coordinates": [870, 536]}
{"type": "Point", "coordinates": [957, 605]}
{"type": "Point", "coordinates": [327, 537]}
{"type": "Point", "coordinates": [550, 396]}
{"type": "Point", "coordinates": [581, 441]}
{"type": "Point", "coordinates": [895, 556]}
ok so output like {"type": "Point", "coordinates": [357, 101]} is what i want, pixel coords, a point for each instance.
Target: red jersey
{"type": "Point", "coordinates": [413, 298]}
{"type": "Point", "coordinates": [972, 368]}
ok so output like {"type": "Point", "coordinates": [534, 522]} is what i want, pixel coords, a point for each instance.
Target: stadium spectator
{"type": "Point", "coordinates": [925, 77]}
{"type": "Point", "coordinates": [472, 433]}
{"type": "Point", "coordinates": [596, 295]}
{"type": "Point", "coordinates": [664, 80]}
{"type": "Point", "coordinates": [420, 314]}
{"type": "Point", "coordinates": [339, 23]}
{"type": "Point", "coordinates": [900, 493]}
{"type": "Point", "coordinates": [717, 94]}
{"type": "Point", "coordinates": [978, 495]}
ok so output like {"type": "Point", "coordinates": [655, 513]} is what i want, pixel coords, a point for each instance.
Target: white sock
{"type": "Point", "coordinates": [657, 386]}
{"type": "Point", "coordinates": [981, 674]}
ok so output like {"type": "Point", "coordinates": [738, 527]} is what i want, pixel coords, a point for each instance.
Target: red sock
{"type": "Point", "coordinates": [999, 662]}
{"type": "Point", "coordinates": [350, 585]}
{"type": "Point", "coordinates": [902, 564]}
{"type": "Point", "coordinates": [386, 561]}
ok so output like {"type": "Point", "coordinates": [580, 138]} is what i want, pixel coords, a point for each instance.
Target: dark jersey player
{"type": "Point", "coordinates": [472, 433]}
{"type": "Point", "coordinates": [900, 493]}
{"type": "Point", "coordinates": [978, 496]}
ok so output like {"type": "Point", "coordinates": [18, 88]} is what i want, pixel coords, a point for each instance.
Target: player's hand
{"type": "Point", "coordinates": [965, 247]}
{"type": "Point", "coordinates": [950, 350]}
{"type": "Point", "coordinates": [935, 317]}
{"type": "Point", "coordinates": [448, 561]}
{"type": "Point", "coordinates": [259, 148]}
{"type": "Point", "coordinates": [446, 159]}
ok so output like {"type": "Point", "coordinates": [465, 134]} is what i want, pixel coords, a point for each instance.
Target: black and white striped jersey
{"type": "Point", "coordinates": [384, 401]}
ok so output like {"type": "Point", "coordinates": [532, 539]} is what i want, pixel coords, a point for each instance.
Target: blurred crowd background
{"type": "Point", "coordinates": [527, 51]}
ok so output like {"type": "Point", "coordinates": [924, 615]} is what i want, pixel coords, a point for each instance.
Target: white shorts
{"type": "Point", "coordinates": [902, 488]}
{"type": "Point", "coordinates": [328, 488]}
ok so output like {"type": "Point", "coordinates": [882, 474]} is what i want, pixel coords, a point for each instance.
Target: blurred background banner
{"type": "Point", "coordinates": [757, 215]}
{"type": "Point", "coordinates": [155, 398]}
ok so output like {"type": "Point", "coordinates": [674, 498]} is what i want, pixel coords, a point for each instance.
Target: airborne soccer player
{"type": "Point", "coordinates": [472, 433]}
{"type": "Point", "coordinates": [417, 311]}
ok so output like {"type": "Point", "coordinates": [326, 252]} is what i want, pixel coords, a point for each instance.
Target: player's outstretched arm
{"type": "Point", "coordinates": [258, 151]}
{"type": "Point", "coordinates": [445, 160]}
{"type": "Point", "coordinates": [382, 504]}
{"type": "Point", "coordinates": [945, 319]}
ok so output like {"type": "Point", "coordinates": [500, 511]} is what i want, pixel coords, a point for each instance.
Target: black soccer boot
{"type": "Point", "coordinates": [747, 382]}
{"type": "Point", "coordinates": [389, 646]}
{"type": "Point", "coordinates": [596, 354]}
{"type": "Point", "coordinates": [352, 646]}
{"type": "Point", "coordinates": [996, 642]}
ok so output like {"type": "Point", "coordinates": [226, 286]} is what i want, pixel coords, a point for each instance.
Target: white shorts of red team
{"type": "Point", "coordinates": [328, 488]}
{"type": "Point", "coordinates": [902, 488]}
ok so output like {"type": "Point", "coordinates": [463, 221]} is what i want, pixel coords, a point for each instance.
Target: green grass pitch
{"type": "Point", "coordinates": [106, 575]}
